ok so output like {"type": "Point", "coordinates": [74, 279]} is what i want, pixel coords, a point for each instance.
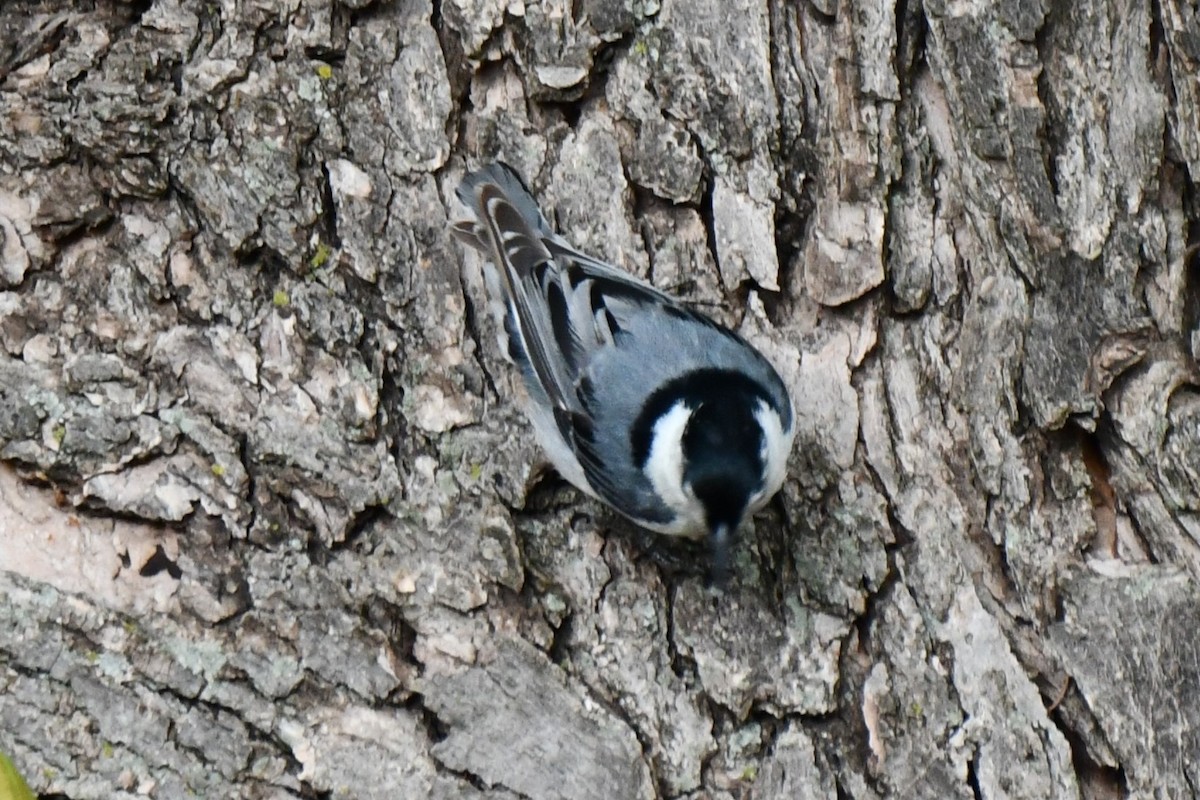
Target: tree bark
{"type": "Point", "coordinates": [272, 524]}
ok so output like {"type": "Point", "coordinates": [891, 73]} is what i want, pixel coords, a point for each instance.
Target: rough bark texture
{"type": "Point", "coordinates": [272, 525]}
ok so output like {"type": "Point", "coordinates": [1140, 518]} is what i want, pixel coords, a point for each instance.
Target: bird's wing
{"type": "Point", "coordinates": [562, 306]}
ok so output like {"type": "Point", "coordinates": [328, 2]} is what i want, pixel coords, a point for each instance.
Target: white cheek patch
{"type": "Point", "coordinates": [777, 445]}
{"type": "Point", "coordinates": [664, 468]}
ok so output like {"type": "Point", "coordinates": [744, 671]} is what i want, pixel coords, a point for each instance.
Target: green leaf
{"type": "Point", "coordinates": [12, 787]}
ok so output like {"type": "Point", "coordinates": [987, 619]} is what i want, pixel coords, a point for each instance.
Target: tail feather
{"type": "Point", "coordinates": [510, 183]}
{"type": "Point", "coordinates": [509, 230]}
{"type": "Point", "coordinates": [472, 234]}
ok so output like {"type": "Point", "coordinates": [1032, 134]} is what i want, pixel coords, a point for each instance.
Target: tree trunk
{"type": "Point", "coordinates": [272, 522]}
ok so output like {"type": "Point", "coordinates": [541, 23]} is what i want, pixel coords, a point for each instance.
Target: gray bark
{"type": "Point", "coordinates": [271, 524]}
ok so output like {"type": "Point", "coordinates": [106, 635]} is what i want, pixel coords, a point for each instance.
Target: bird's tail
{"type": "Point", "coordinates": [506, 179]}
{"type": "Point", "coordinates": [511, 233]}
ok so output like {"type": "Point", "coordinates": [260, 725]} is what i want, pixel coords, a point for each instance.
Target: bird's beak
{"type": "Point", "coordinates": [720, 546]}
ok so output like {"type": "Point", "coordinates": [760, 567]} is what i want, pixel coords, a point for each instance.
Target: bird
{"type": "Point", "coordinates": [667, 416]}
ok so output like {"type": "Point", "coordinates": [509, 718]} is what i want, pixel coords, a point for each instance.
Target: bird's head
{"type": "Point", "coordinates": [715, 452]}
{"type": "Point", "coordinates": [724, 468]}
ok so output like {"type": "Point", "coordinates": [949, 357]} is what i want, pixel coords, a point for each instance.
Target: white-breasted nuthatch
{"type": "Point", "coordinates": [667, 416]}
